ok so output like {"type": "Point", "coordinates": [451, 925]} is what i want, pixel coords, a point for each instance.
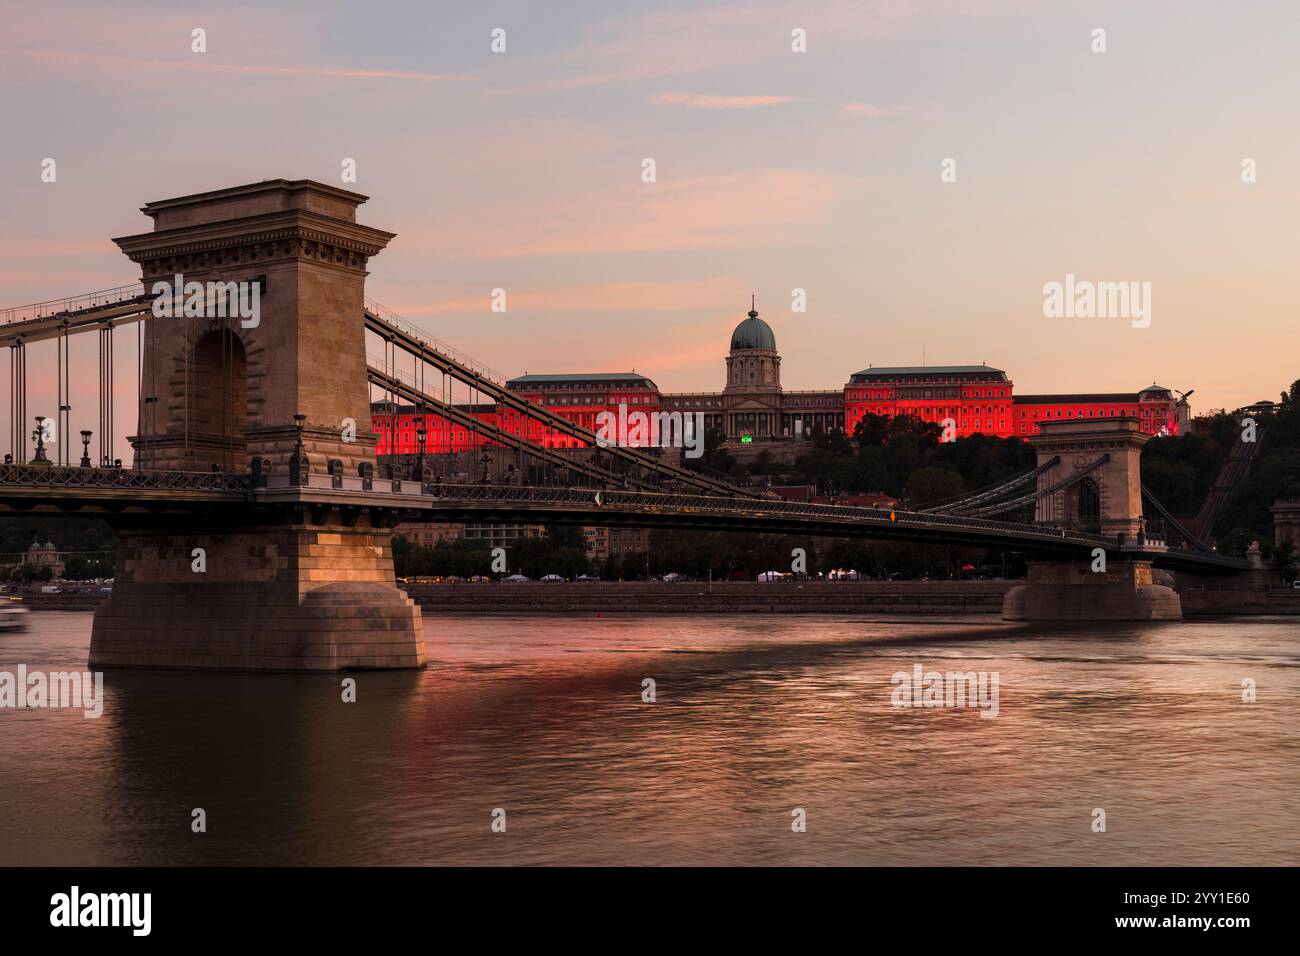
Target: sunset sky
{"type": "Point", "coordinates": [776, 170]}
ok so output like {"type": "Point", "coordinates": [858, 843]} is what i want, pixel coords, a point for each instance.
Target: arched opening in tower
{"type": "Point", "coordinates": [219, 400]}
{"type": "Point", "coordinates": [1089, 505]}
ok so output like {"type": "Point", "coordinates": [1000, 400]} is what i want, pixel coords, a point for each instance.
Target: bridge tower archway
{"type": "Point", "coordinates": [218, 407]}
{"type": "Point", "coordinates": [1087, 505]}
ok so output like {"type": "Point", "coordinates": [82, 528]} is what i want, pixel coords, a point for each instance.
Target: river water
{"type": "Point", "coordinates": [543, 718]}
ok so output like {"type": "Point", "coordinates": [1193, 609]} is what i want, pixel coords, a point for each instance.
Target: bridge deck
{"type": "Point", "coordinates": [26, 488]}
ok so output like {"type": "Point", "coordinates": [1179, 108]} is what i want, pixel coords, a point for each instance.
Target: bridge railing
{"type": "Point", "coordinates": [64, 477]}
{"type": "Point", "coordinates": [75, 303]}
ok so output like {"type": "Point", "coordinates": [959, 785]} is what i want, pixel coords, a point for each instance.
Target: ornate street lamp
{"type": "Point", "coordinates": [85, 448]}
{"type": "Point", "coordinates": [38, 436]}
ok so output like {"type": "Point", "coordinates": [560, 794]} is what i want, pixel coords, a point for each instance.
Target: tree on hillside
{"type": "Point", "coordinates": [872, 430]}
{"type": "Point", "coordinates": [1274, 475]}
{"type": "Point", "coordinates": [715, 457]}
{"type": "Point", "coordinates": [933, 483]}
{"type": "Point", "coordinates": [1180, 470]}
{"type": "Point", "coordinates": [1290, 399]}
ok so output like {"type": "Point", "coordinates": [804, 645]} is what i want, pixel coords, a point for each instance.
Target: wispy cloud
{"type": "Point", "coordinates": [727, 211]}
{"type": "Point", "coordinates": [643, 47]}
{"type": "Point", "coordinates": [704, 101]}
{"type": "Point", "coordinates": [662, 44]}
{"type": "Point", "coordinates": [870, 111]}
{"type": "Point", "coordinates": [605, 298]}
{"type": "Point", "coordinates": [198, 63]}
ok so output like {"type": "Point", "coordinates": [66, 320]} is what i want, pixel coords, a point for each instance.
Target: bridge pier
{"type": "Point", "coordinates": [1072, 591]}
{"type": "Point", "coordinates": [1095, 487]}
{"type": "Point", "coordinates": [275, 592]}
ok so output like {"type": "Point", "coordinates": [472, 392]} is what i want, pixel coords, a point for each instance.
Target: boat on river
{"type": "Point", "coordinates": [13, 616]}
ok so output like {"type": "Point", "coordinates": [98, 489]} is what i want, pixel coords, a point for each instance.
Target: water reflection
{"type": "Point", "coordinates": [256, 752]}
{"type": "Point", "coordinates": [754, 716]}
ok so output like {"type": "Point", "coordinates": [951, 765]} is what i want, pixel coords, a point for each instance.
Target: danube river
{"type": "Point", "coordinates": [755, 718]}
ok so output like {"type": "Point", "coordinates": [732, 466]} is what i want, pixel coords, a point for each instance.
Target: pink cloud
{"type": "Point", "coordinates": [738, 210]}
{"type": "Point", "coordinates": [866, 109]}
{"type": "Point", "coordinates": [608, 297]}
{"type": "Point", "coordinates": [704, 101]}
{"type": "Point", "coordinates": [706, 352]}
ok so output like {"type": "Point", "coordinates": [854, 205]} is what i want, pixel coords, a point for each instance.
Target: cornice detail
{"type": "Point", "coordinates": [251, 249]}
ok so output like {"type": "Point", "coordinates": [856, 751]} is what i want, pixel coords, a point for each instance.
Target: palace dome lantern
{"type": "Point", "coordinates": [753, 333]}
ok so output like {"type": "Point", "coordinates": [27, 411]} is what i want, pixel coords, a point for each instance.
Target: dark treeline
{"type": "Point", "coordinates": [560, 552]}
{"type": "Point", "coordinates": [737, 554]}
{"type": "Point", "coordinates": [717, 554]}
{"type": "Point", "coordinates": [901, 456]}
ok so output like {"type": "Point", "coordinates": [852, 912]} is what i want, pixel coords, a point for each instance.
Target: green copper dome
{"type": "Point", "coordinates": [753, 333]}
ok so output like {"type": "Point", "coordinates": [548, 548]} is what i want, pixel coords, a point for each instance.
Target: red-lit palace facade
{"type": "Point", "coordinates": [579, 398]}
{"type": "Point", "coordinates": [754, 408]}
{"type": "Point", "coordinates": [978, 399]}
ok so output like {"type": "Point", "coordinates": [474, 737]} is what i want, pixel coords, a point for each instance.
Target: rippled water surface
{"type": "Point", "coordinates": [543, 717]}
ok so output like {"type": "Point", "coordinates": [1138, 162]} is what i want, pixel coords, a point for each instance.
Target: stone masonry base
{"type": "Point", "coordinates": [294, 596]}
{"type": "Point", "coordinates": [1072, 591]}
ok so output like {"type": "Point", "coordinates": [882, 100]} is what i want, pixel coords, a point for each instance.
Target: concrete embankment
{"type": "Point", "coordinates": [1228, 601]}
{"type": "Point", "coordinates": [67, 601]}
{"type": "Point", "coordinates": [808, 597]}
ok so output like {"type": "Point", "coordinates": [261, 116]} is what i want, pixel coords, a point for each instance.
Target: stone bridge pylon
{"type": "Point", "coordinates": [280, 582]}
{"type": "Point", "coordinates": [1103, 457]}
